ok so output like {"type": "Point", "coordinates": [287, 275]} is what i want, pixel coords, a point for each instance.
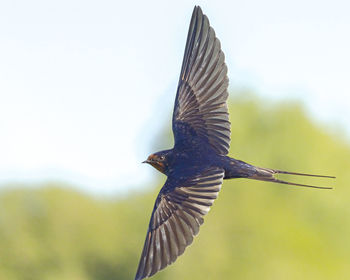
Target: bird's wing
{"type": "Point", "coordinates": [200, 104]}
{"type": "Point", "coordinates": [178, 212]}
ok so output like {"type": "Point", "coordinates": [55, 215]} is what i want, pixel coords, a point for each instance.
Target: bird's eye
{"type": "Point", "coordinates": [162, 158]}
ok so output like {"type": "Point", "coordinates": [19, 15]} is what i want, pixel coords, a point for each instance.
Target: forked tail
{"type": "Point", "coordinates": [266, 174]}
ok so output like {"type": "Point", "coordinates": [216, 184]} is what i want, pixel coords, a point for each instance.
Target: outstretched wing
{"type": "Point", "coordinates": [200, 104]}
{"type": "Point", "coordinates": [178, 212]}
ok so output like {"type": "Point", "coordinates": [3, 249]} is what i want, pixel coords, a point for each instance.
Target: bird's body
{"type": "Point", "coordinates": [181, 161]}
{"type": "Point", "coordinates": [198, 163]}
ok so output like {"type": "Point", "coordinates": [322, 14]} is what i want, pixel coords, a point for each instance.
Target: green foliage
{"type": "Point", "coordinates": [255, 230]}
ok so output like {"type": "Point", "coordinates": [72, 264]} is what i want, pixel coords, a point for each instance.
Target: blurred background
{"type": "Point", "coordinates": [86, 93]}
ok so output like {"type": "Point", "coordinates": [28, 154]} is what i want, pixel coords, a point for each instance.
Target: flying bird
{"type": "Point", "coordinates": [198, 163]}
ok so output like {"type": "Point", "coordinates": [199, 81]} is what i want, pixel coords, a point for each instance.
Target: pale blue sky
{"type": "Point", "coordinates": [84, 83]}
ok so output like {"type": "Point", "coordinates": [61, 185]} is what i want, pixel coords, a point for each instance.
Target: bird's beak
{"type": "Point", "coordinates": [149, 160]}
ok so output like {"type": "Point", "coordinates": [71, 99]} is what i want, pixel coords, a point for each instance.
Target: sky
{"type": "Point", "coordinates": [86, 86]}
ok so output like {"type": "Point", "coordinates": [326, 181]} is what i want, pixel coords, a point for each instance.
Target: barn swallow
{"type": "Point", "coordinates": [198, 163]}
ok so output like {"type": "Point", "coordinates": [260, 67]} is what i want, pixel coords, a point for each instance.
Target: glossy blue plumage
{"type": "Point", "coordinates": [198, 163]}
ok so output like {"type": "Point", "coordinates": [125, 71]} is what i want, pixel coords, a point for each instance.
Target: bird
{"type": "Point", "coordinates": [198, 163]}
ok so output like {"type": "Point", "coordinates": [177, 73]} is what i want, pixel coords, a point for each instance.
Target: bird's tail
{"type": "Point", "coordinates": [266, 174]}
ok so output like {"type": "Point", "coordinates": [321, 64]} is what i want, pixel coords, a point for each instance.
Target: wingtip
{"type": "Point", "coordinates": [197, 9]}
{"type": "Point", "coordinates": [137, 276]}
{"type": "Point", "coordinates": [140, 275]}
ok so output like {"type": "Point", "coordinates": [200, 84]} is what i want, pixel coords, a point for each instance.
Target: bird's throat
{"type": "Point", "coordinates": [159, 166]}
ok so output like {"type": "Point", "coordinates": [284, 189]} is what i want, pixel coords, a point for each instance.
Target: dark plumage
{"type": "Point", "coordinates": [197, 165]}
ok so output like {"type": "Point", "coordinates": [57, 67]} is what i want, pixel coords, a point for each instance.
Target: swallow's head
{"type": "Point", "coordinates": [159, 160]}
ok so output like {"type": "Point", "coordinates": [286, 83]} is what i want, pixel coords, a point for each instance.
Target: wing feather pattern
{"type": "Point", "coordinates": [176, 218]}
{"type": "Point", "coordinates": [200, 104]}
